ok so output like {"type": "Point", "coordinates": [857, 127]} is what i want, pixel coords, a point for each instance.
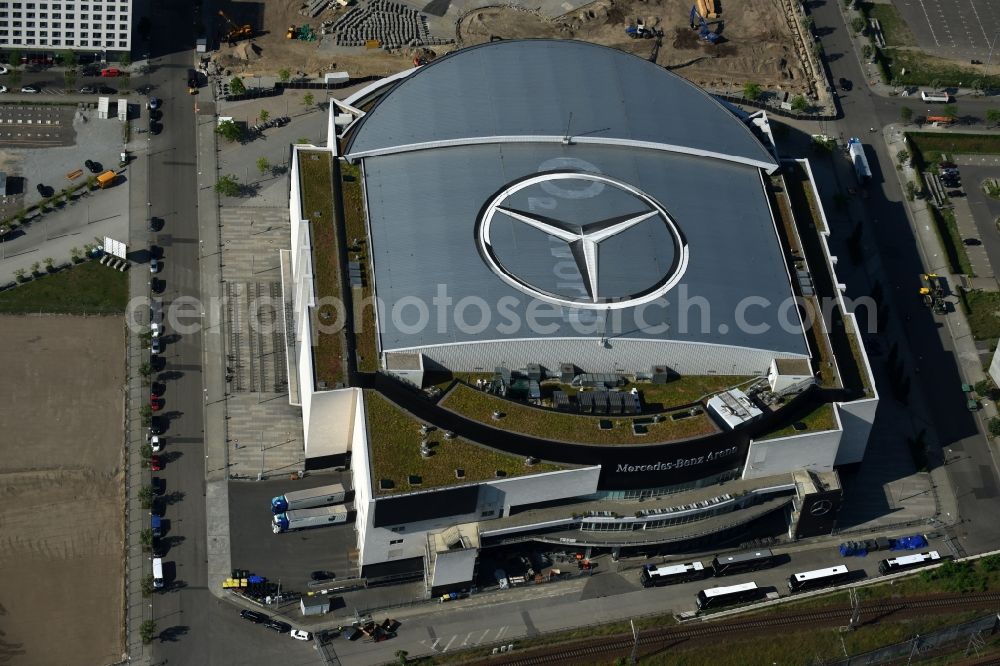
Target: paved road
{"type": "Point", "coordinates": [932, 359]}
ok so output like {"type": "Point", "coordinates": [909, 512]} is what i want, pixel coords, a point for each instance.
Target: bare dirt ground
{"type": "Point", "coordinates": [758, 43]}
{"type": "Point", "coordinates": [61, 490]}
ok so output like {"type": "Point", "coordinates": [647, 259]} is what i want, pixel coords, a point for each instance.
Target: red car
{"type": "Point", "coordinates": [155, 463]}
{"type": "Point", "coordinates": [110, 72]}
{"type": "Point", "coordinates": [156, 405]}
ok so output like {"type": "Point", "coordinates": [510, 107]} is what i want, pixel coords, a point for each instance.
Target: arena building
{"type": "Point", "coordinates": [568, 233]}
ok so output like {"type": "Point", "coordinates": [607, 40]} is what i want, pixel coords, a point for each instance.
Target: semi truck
{"type": "Point", "coordinates": [306, 499]}
{"type": "Point", "coordinates": [857, 152]}
{"type": "Point", "coordinates": [298, 519]}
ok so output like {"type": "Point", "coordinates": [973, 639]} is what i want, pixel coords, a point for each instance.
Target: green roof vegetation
{"type": "Point", "coordinates": [87, 288]}
{"type": "Point", "coordinates": [817, 420]}
{"type": "Point", "coordinates": [394, 441]}
{"type": "Point", "coordinates": [576, 428]}
{"type": "Point", "coordinates": [315, 186]}
{"type": "Point", "coordinates": [355, 228]}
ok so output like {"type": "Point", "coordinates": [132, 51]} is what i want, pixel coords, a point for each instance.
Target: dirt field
{"type": "Point", "coordinates": [758, 42]}
{"type": "Point", "coordinates": [61, 490]}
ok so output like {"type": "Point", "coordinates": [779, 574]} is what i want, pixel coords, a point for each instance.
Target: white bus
{"type": "Point", "coordinates": [942, 97]}
{"type": "Point", "coordinates": [905, 562]}
{"type": "Point", "coordinates": [725, 596]}
{"type": "Point", "coordinates": [669, 574]}
{"type": "Point", "coordinates": [810, 580]}
{"type": "Point", "coordinates": [157, 573]}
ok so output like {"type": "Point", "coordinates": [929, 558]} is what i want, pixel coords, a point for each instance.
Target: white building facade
{"type": "Point", "coordinates": [89, 25]}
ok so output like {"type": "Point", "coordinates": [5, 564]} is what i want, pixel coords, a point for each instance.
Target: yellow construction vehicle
{"type": "Point", "coordinates": [291, 33]}
{"type": "Point", "coordinates": [235, 32]}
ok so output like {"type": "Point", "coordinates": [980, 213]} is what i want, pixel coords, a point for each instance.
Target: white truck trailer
{"type": "Point", "coordinates": [298, 519]}
{"type": "Point", "coordinates": [306, 499]}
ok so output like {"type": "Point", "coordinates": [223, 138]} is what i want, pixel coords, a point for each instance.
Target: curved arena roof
{"type": "Point", "coordinates": [526, 90]}
{"type": "Point", "coordinates": [651, 225]}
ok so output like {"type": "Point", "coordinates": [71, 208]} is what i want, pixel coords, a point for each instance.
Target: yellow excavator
{"type": "Point", "coordinates": [234, 32]}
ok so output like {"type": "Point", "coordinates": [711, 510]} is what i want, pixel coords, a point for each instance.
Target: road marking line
{"type": "Point", "coordinates": [501, 631]}
{"type": "Point", "coordinates": [445, 648]}
{"type": "Point", "coordinates": [979, 20]}
{"type": "Point", "coordinates": [929, 23]}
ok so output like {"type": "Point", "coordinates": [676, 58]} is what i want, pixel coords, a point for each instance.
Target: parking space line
{"type": "Point", "coordinates": [445, 648]}
{"type": "Point", "coordinates": [979, 21]}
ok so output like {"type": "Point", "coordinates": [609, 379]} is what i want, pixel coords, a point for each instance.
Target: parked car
{"type": "Point", "coordinates": [155, 223]}
{"type": "Point", "coordinates": [155, 463]}
{"type": "Point", "coordinates": [157, 426]}
{"type": "Point", "coordinates": [156, 443]}
{"type": "Point", "coordinates": [155, 346]}
{"type": "Point", "coordinates": [159, 486]}
{"type": "Point", "coordinates": [3, 69]}
{"type": "Point", "coordinates": [948, 165]}
{"type": "Point", "coordinates": [93, 167]}
{"type": "Point", "coordinates": [88, 90]}
{"type": "Point", "coordinates": [159, 548]}
{"type": "Point", "coordinates": [972, 241]}
{"type": "Point", "coordinates": [154, 265]}
{"type": "Point", "coordinates": [279, 626]}
{"type": "Point", "coordinates": [300, 634]}
{"type": "Point", "coordinates": [956, 193]}
{"type": "Point", "coordinates": [107, 90]}
{"type": "Point", "coordinates": [155, 404]}
{"type": "Point", "coordinates": [3, 89]}
{"type": "Point", "coordinates": [110, 72]}
{"type": "Point", "coordinates": [154, 103]}
{"type": "Point", "coordinates": [91, 70]}
{"type": "Point", "coordinates": [31, 90]}
{"type": "Point", "coordinates": [845, 84]}
{"type": "Point", "coordinates": [254, 616]}
{"type": "Point", "coordinates": [157, 286]}
{"type": "Point", "coordinates": [322, 575]}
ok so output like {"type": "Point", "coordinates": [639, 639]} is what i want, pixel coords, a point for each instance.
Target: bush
{"type": "Point", "coordinates": [146, 538]}
{"type": "Point", "coordinates": [147, 631]}
{"type": "Point", "coordinates": [994, 427]}
{"type": "Point", "coordinates": [752, 91]}
{"type": "Point", "coordinates": [236, 86]}
{"type": "Point", "coordinates": [858, 24]}
{"type": "Point", "coordinates": [799, 103]}
{"type": "Point", "coordinates": [227, 186]}
{"type": "Point", "coordinates": [146, 585]}
{"type": "Point", "coordinates": [146, 497]}
{"type": "Point", "coordinates": [990, 563]}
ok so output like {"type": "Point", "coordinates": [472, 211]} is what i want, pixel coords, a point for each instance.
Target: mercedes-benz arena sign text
{"type": "Point", "coordinates": [585, 212]}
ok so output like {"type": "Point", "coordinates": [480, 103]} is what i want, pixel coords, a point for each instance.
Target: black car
{"type": "Point", "coordinates": [159, 548]}
{"type": "Point", "coordinates": [972, 241]}
{"type": "Point", "coordinates": [91, 70]}
{"type": "Point", "coordinates": [154, 127]}
{"type": "Point", "coordinates": [107, 90]}
{"type": "Point", "coordinates": [93, 167]}
{"type": "Point", "coordinates": [956, 193]}
{"type": "Point", "coordinates": [322, 575]}
{"type": "Point", "coordinates": [845, 84]}
{"type": "Point", "coordinates": [947, 165]}
{"type": "Point", "coordinates": [157, 425]}
{"type": "Point", "coordinates": [157, 285]}
{"type": "Point", "coordinates": [41, 189]}
{"type": "Point", "coordinates": [155, 223]}
{"type": "Point", "coordinates": [279, 626]}
{"type": "Point", "coordinates": [88, 90]}
{"type": "Point", "coordinates": [159, 486]}
{"type": "Point", "coordinates": [255, 617]}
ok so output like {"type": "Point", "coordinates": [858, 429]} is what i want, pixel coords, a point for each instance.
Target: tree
{"type": "Point", "coordinates": [994, 427]}
{"type": "Point", "coordinates": [74, 255]}
{"type": "Point", "coordinates": [752, 91]}
{"type": "Point", "coordinates": [146, 451]}
{"type": "Point", "coordinates": [146, 585]}
{"type": "Point", "coordinates": [91, 182]}
{"type": "Point", "coordinates": [147, 631]}
{"type": "Point", "coordinates": [949, 110]}
{"type": "Point", "coordinates": [867, 51]}
{"type": "Point", "coordinates": [146, 413]}
{"type": "Point", "coordinates": [236, 86]}
{"type": "Point", "coordinates": [146, 497]}
{"type": "Point", "coordinates": [146, 539]}
{"type": "Point", "coordinates": [69, 77]}
{"type": "Point", "coordinates": [145, 370]}
{"type": "Point", "coordinates": [799, 103]}
{"type": "Point", "coordinates": [68, 58]}
{"type": "Point", "coordinates": [992, 116]}
{"type": "Point", "coordinates": [906, 114]}
{"type": "Point", "coordinates": [401, 657]}
{"type": "Point", "coordinates": [35, 268]}
{"type": "Point", "coordinates": [263, 165]}
{"type": "Point", "coordinates": [264, 115]}
{"type": "Point", "coordinates": [858, 24]}
{"type": "Point", "coordinates": [284, 75]}
{"type": "Point", "coordinates": [49, 264]}
{"type": "Point", "coordinates": [308, 100]}
{"type": "Point", "coordinates": [227, 186]}
{"type": "Point", "coordinates": [125, 60]}
{"type": "Point", "coordinates": [903, 156]}
{"type": "Point", "coordinates": [19, 274]}
{"type": "Point", "coordinates": [229, 130]}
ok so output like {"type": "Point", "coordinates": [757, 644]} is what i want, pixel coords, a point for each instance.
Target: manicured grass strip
{"type": "Point", "coordinates": [395, 452]}
{"type": "Point", "coordinates": [354, 225]}
{"type": "Point", "coordinates": [560, 426]}
{"type": "Point", "coordinates": [983, 313]}
{"type": "Point", "coordinates": [317, 197]}
{"type": "Point", "coordinates": [87, 288]}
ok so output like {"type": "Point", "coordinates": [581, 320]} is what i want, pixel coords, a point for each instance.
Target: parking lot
{"type": "Point", "coordinates": [957, 28]}
{"type": "Point", "coordinates": [292, 556]}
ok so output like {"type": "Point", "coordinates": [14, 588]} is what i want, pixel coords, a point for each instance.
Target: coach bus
{"type": "Point", "coordinates": [811, 580]}
{"type": "Point", "coordinates": [905, 562]}
{"type": "Point", "coordinates": [671, 574]}
{"type": "Point", "coordinates": [942, 97]}
{"type": "Point", "coordinates": [726, 596]}
{"type": "Point", "coordinates": [727, 565]}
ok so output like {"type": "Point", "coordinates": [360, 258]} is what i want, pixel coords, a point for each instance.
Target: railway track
{"type": "Point", "coordinates": [654, 640]}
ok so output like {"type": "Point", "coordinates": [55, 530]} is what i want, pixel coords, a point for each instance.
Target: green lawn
{"type": "Point", "coordinates": [317, 197]}
{"type": "Point", "coordinates": [87, 288]}
{"type": "Point", "coordinates": [818, 420]}
{"type": "Point", "coordinates": [684, 390]}
{"type": "Point", "coordinates": [394, 437]}
{"type": "Point", "coordinates": [354, 225]}
{"type": "Point", "coordinates": [894, 28]}
{"type": "Point", "coordinates": [560, 426]}
{"type": "Point", "coordinates": [928, 147]}
{"type": "Point", "coordinates": [983, 313]}
{"type": "Point", "coordinates": [925, 70]}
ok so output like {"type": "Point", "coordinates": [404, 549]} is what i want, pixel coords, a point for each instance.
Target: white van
{"type": "Point", "coordinates": [157, 573]}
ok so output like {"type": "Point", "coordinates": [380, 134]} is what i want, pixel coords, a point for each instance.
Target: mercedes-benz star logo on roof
{"type": "Point", "coordinates": [583, 238]}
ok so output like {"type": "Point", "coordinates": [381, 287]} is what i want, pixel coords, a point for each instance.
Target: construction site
{"type": "Point", "coordinates": [712, 43]}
